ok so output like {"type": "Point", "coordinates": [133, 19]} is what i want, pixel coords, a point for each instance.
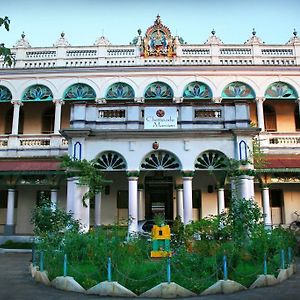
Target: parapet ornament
{"type": "Point", "coordinates": [294, 39]}
{"type": "Point", "coordinates": [102, 41]}
{"type": "Point", "coordinates": [254, 40]}
{"type": "Point", "coordinates": [213, 39]}
{"type": "Point", "coordinates": [22, 42]}
{"type": "Point", "coordinates": [62, 41]}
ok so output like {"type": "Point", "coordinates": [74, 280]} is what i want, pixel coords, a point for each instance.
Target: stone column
{"type": "Point", "coordinates": [221, 200]}
{"type": "Point", "coordinates": [70, 194]}
{"type": "Point", "coordinates": [53, 199]}
{"type": "Point", "coordinates": [260, 113]}
{"type": "Point", "coordinates": [141, 201]}
{"type": "Point", "coordinates": [266, 207]}
{"type": "Point", "coordinates": [57, 118]}
{"type": "Point", "coordinates": [16, 115]}
{"type": "Point", "coordinates": [180, 203]}
{"type": "Point", "coordinates": [9, 228]}
{"type": "Point", "coordinates": [98, 198]}
{"type": "Point", "coordinates": [245, 189]}
{"type": "Point", "coordinates": [187, 199]}
{"type": "Point", "coordinates": [132, 204]}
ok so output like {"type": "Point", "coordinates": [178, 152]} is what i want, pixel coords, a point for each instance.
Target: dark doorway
{"type": "Point", "coordinates": [159, 197]}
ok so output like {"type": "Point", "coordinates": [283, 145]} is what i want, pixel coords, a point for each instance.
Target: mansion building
{"type": "Point", "coordinates": [160, 117]}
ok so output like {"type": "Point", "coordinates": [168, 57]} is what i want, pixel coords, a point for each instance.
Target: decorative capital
{"type": "Point", "coordinates": [260, 99]}
{"type": "Point", "coordinates": [133, 174]}
{"type": "Point", "coordinates": [58, 101]}
{"type": "Point", "coordinates": [16, 102]}
{"type": "Point", "coordinates": [139, 99]}
{"type": "Point", "coordinates": [177, 99]}
{"type": "Point", "coordinates": [179, 186]}
{"type": "Point", "coordinates": [188, 173]}
{"type": "Point", "coordinates": [217, 99]}
{"type": "Point", "coordinates": [100, 100]}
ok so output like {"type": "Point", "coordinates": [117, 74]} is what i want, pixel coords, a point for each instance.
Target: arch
{"type": "Point", "coordinates": [79, 91]}
{"type": "Point", "coordinates": [160, 160]}
{"type": "Point", "coordinates": [158, 90]}
{"type": "Point", "coordinates": [197, 90]}
{"type": "Point", "coordinates": [280, 90]}
{"type": "Point", "coordinates": [37, 92]}
{"type": "Point", "coordinates": [238, 90]}
{"type": "Point", "coordinates": [270, 118]}
{"type": "Point", "coordinates": [47, 121]}
{"type": "Point", "coordinates": [211, 160]}
{"type": "Point", "coordinates": [110, 161]}
{"type": "Point", "coordinates": [5, 94]}
{"type": "Point", "coordinates": [119, 91]}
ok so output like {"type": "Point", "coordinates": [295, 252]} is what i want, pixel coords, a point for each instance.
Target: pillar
{"type": "Point", "coordinates": [187, 199]}
{"type": "Point", "coordinates": [141, 206]}
{"type": "Point", "coordinates": [16, 115]}
{"type": "Point", "coordinates": [98, 198]}
{"type": "Point", "coordinates": [266, 207]}
{"type": "Point", "coordinates": [132, 205]}
{"type": "Point", "coordinates": [53, 199]}
{"type": "Point", "coordinates": [57, 118]}
{"type": "Point", "coordinates": [260, 113]}
{"type": "Point", "coordinates": [70, 194]}
{"type": "Point", "coordinates": [180, 203]}
{"type": "Point", "coordinates": [9, 228]}
{"type": "Point", "coordinates": [221, 200]}
{"type": "Point", "coordinates": [245, 187]}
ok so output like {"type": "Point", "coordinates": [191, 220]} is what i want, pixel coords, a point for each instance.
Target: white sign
{"type": "Point", "coordinates": [160, 118]}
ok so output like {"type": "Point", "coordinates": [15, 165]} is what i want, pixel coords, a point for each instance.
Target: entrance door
{"type": "Point", "coordinates": [159, 197]}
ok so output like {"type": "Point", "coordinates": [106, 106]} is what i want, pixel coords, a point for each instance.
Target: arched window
{"type": "Point", "coordinates": [48, 120]}
{"type": "Point", "coordinates": [79, 91]}
{"type": "Point", "coordinates": [280, 90]}
{"type": "Point", "coordinates": [270, 118]}
{"type": "Point", "coordinates": [238, 90]}
{"type": "Point", "coordinates": [37, 92]}
{"type": "Point", "coordinates": [160, 160]}
{"type": "Point", "coordinates": [5, 94]}
{"type": "Point", "coordinates": [120, 91]}
{"type": "Point", "coordinates": [9, 119]}
{"type": "Point", "coordinates": [297, 118]}
{"type": "Point", "coordinates": [109, 161]}
{"type": "Point", "coordinates": [211, 160]}
{"type": "Point", "coordinates": [158, 90]}
{"type": "Point", "coordinates": [197, 90]}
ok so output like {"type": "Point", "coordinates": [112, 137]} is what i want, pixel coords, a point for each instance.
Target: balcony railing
{"type": "Point", "coordinates": [275, 140]}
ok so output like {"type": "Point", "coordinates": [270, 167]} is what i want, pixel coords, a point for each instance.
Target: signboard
{"type": "Point", "coordinates": [160, 118]}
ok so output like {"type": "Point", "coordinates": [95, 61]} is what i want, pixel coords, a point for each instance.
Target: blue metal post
{"type": "Point", "coordinates": [265, 265]}
{"type": "Point", "coordinates": [225, 267]}
{"type": "Point", "coordinates": [109, 269]}
{"type": "Point", "coordinates": [42, 261]}
{"type": "Point", "coordinates": [169, 270]}
{"type": "Point", "coordinates": [290, 255]}
{"type": "Point", "coordinates": [65, 265]}
{"type": "Point", "coordinates": [282, 259]}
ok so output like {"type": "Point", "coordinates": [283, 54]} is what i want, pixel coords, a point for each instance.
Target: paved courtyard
{"type": "Point", "coordinates": [17, 284]}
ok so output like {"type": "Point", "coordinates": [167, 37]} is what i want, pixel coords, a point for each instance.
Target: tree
{"type": "Point", "coordinates": [5, 52]}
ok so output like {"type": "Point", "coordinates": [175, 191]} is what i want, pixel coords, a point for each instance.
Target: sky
{"type": "Point", "coordinates": [83, 21]}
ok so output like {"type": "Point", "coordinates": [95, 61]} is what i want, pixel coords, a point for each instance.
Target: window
{"type": "Point", "coordinates": [122, 199]}
{"type": "Point", "coordinates": [270, 118]}
{"type": "Point", "coordinates": [48, 120]}
{"type": "Point", "coordinates": [196, 199]}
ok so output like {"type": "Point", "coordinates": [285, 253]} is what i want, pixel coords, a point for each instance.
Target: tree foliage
{"type": "Point", "coordinates": [5, 52]}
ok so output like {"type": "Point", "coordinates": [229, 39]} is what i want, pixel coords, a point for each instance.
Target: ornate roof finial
{"type": "Point", "coordinates": [294, 39]}
{"type": "Point", "coordinates": [139, 31]}
{"type": "Point", "coordinates": [254, 40]}
{"type": "Point", "coordinates": [295, 32]}
{"type": "Point", "coordinates": [22, 42]}
{"type": "Point", "coordinates": [213, 39]}
{"type": "Point", "coordinates": [158, 20]}
{"type": "Point", "coordinates": [102, 41]}
{"type": "Point", "coordinates": [62, 41]}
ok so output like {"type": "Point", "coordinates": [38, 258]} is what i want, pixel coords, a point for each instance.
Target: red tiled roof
{"type": "Point", "coordinates": [282, 161]}
{"type": "Point", "coordinates": [26, 165]}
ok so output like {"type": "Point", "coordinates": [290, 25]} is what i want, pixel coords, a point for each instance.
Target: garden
{"type": "Point", "coordinates": [199, 250]}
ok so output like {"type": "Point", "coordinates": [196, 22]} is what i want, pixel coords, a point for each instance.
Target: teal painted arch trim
{"type": "Point", "coordinates": [160, 160]}
{"type": "Point", "coordinates": [5, 94]}
{"type": "Point", "coordinates": [238, 90]}
{"type": "Point", "coordinates": [197, 90]}
{"type": "Point", "coordinates": [281, 90]}
{"type": "Point", "coordinates": [158, 90]}
{"type": "Point", "coordinates": [120, 91]}
{"type": "Point", "coordinates": [79, 91]}
{"type": "Point", "coordinates": [37, 92]}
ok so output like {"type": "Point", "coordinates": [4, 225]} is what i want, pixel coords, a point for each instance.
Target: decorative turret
{"type": "Point", "coordinates": [213, 39]}
{"type": "Point", "coordinates": [254, 40]}
{"type": "Point", "coordinates": [62, 41]}
{"type": "Point", "coordinates": [294, 39]}
{"type": "Point", "coordinates": [102, 41]}
{"type": "Point", "coordinates": [22, 42]}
